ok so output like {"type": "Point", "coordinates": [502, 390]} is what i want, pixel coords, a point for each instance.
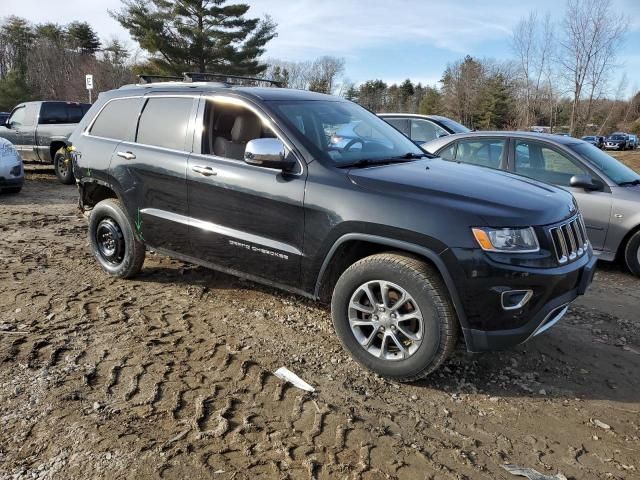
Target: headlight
{"type": "Point", "coordinates": [517, 240]}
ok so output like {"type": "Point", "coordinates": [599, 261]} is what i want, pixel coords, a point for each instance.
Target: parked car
{"type": "Point", "coordinates": [594, 140]}
{"type": "Point", "coordinates": [3, 117]}
{"type": "Point", "coordinates": [633, 141]}
{"type": "Point", "coordinates": [247, 181]}
{"type": "Point", "coordinates": [617, 141]}
{"type": "Point", "coordinates": [423, 128]}
{"type": "Point", "coordinates": [11, 169]}
{"type": "Point", "coordinates": [40, 132]}
{"type": "Point", "coordinates": [351, 136]}
{"type": "Point", "coordinates": [607, 191]}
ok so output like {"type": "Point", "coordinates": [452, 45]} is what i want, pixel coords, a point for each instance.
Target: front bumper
{"type": "Point", "coordinates": [487, 325]}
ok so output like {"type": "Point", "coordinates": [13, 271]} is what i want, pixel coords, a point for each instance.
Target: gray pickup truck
{"type": "Point", "coordinates": [40, 132]}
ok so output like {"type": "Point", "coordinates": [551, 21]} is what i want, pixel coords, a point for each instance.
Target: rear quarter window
{"type": "Point", "coordinates": [117, 120]}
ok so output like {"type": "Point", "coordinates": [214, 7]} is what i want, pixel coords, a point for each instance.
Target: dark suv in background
{"type": "Point", "coordinates": [248, 180]}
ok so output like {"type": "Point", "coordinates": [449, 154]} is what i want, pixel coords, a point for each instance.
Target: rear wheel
{"type": "Point", "coordinates": [392, 313]}
{"type": "Point", "coordinates": [62, 166]}
{"type": "Point", "coordinates": [113, 240]}
{"type": "Point", "coordinates": [632, 254]}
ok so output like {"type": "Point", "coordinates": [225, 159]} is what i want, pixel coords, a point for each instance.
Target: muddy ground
{"type": "Point", "coordinates": [169, 376]}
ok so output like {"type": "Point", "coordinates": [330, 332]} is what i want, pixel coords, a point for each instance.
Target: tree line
{"type": "Point", "coordinates": [559, 75]}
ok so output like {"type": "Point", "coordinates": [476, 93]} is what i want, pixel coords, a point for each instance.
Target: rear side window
{"type": "Point", "coordinates": [61, 112]}
{"type": "Point", "coordinates": [400, 123]}
{"type": "Point", "coordinates": [485, 153]}
{"type": "Point", "coordinates": [51, 113]}
{"type": "Point", "coordinates": [117, 120]}
{"type": "Point", "coordinates": [164, 122]}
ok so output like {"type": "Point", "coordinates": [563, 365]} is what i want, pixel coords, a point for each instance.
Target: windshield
{"type": "Point", "coordinates": [452, 125]}
{"type": "Point", "coordinates": [343, 132]}
{"type": "Point", "coordinates": [608, 165]}
{"type": "Point", "coordinates": [588, 138]}
{"type": "Point", "coordinates": [616, 137]}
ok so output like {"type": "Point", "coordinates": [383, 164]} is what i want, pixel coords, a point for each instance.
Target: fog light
{"type": "Point", "coordinates": [515, 299]}
{"type": "Point", "coordinates": [15, 171]}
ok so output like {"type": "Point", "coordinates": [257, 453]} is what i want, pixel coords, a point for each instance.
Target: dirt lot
{"type": "Point", "coordinates": [169, 376]}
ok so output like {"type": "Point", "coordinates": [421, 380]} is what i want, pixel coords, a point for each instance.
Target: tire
{"type": "Point", "coordinates": [429, 299]}
{"type": "Point", "coordinates": [113, 240]}
{"type": "Point", "coordinates": [62, 166]}
{"type": "Point", "coordinates": [632, 254]}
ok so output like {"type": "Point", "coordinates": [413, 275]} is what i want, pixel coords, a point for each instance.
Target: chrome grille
{"type": "Point", "coordinates": [570, 240]}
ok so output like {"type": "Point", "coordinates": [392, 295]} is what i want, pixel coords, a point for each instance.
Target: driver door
{"type": "Point", "coordinates": [245, 218]}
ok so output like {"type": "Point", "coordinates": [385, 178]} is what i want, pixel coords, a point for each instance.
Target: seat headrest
{"type": "Point", "coordinates": [247, 126]}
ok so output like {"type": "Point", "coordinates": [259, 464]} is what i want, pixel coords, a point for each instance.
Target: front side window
{"type": "Point", "coordinates": [228, 128]}
{"type": "Point", "coordinates": [343, 133]}
{"type": "Point", "coordinates": [117, 120]}
{"type": "Point", "coordinates": [545, 164]}
{"type": "Point", "coordinates": [612, 168]}
{"type": "Point", "coordinates": [425, 131]}
{"type": "Point", "coordinates": [484, 153]}
{"type": "Point", "coordinates": [164, 122]}
{"type": "Point", "coordinates": [17, 117]}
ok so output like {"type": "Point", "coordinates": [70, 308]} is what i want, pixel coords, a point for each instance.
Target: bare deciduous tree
{"type": "Point", "coordinates": [592, 32]}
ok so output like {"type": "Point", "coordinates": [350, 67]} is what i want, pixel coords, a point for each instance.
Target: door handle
{"type": "Point", "coordinates": [206, 171]}
{"type": "Point", "coordinates": [126, 155]}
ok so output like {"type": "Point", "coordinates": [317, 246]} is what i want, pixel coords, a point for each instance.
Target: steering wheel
{"type": "Point", "coordinates": [352, 143]}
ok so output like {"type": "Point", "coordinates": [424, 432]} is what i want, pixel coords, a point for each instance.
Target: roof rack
{"type": "Point", "coordinates": [229, 79]}
{"type": "Point", "coordinates": [144, 78]}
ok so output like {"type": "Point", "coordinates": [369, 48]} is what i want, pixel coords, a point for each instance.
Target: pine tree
{"type": "Point", "coordinates": [83, 38]}
{"type": "Point", "coordinates": [431, 103]}
{"type": "Point", "coordinates": [201, 35]}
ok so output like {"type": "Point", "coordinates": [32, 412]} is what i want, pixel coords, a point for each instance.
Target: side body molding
{"type": "Point", "coordinates": [434, 257]}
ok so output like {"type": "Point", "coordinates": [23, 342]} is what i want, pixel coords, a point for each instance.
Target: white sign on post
{"type": "Point", "coordinates": [88, 80]}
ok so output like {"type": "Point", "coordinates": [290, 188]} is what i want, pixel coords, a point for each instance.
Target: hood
{"type": "Point", "coordinates": [501, 199]}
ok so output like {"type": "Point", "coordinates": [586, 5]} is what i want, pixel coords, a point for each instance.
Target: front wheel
{"type": "Point", "coordinates": [632, 254]}
{"type": "Point", "coordinates": [62, 166]}
{"type": "Point", "coordinates": [113, 240]}
{"type": "Point", "coordinates": [393, 314]}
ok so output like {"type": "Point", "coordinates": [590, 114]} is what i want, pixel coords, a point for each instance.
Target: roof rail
{"type": "Point", "coordinates": [229, 79]}
{"type": "Point", "coordinates": [144, 78]}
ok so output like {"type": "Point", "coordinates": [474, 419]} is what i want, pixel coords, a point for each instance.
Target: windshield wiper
{"type": "Point", "coordinates": [367, 162]}
{"type": "Point", "coordinates": [415, 156]}
{"type": "Point", "coordinates": [631, 182]}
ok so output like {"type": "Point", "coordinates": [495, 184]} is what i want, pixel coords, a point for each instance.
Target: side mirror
{"type": "Point", "coordinates": [268, 153]}
{"type": "Point", "coordinates": [586, 182]}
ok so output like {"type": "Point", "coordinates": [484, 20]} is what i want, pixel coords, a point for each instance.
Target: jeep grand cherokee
{"type": "Point", "coordinates": [409, 250]}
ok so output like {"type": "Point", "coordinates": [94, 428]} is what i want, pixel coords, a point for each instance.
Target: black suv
{"type": "Point", "coordinates": [410, 250]}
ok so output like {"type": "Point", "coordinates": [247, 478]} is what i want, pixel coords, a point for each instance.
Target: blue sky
{"type": "Point", "coordinates": [390, 40]}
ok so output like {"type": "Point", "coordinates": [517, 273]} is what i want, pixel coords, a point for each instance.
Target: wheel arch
{"type": "Point", "coordinates": [352, 247]}
{"type": "Point", "coordinates": [620, 252]}
{"type": "Point", "coordinates": [54, 146]}
{"type": "Point", "coordinates": [93, 192]}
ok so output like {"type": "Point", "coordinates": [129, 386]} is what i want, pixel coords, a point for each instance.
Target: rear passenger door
{"type": "Point", "coordinates": [150, 167]}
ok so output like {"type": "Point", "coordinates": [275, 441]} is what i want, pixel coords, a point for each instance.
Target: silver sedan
{"type": "Point", "coordinates": [11, 168]}
{"type": "Point", "coordinates": [607, 191]}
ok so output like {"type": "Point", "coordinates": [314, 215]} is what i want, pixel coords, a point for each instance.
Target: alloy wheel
{"type": "Point", "coordinates": [386, 320]}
